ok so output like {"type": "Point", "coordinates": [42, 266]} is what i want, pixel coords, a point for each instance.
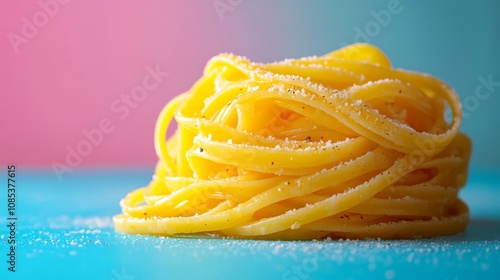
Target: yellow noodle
{"type": "Point", "coordinates": [341, 145]}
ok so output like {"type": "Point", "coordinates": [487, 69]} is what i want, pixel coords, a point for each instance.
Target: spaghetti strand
{"type": "Point", "coordinates": [341, 145]}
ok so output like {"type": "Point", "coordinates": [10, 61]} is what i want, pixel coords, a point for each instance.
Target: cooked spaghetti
{"type": "Point", "coordinates": [340, 146]}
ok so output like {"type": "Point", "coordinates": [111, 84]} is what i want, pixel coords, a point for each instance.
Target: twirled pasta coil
{"type": "Point", "coordinates": [341, 145]}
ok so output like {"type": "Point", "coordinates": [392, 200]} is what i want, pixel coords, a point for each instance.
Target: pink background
{"type": "Point", "coordinates": [66, 77]}
{"type": "Point", "coordinates": [90, 53]}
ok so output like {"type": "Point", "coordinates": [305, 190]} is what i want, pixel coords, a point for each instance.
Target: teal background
{"type": "Point", "coordinates": [456, 41]}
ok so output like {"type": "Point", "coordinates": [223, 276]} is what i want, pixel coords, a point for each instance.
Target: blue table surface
{"type": "Point", "coordinates": [65, 231]}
